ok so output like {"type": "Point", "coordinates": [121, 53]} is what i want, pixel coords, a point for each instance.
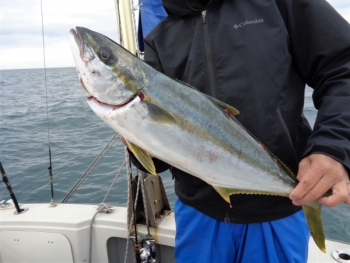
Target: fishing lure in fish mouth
{"type": "Point", "coordinates": [172, 121]}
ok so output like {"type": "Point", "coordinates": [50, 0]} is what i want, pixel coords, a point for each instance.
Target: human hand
{"type": "Point", "coordinates": [317, 174]}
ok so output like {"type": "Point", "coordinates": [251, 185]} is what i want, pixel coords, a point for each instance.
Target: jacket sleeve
{"type": "Point", "coordinates": [320, 46]}
{"type": "Point", "coordinates": [151, 58]}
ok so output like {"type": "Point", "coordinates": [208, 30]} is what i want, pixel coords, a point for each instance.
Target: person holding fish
{"type": "Point", "coordinates": [250, 173]}
{"type": "Point", "coordinates": [257, 56]}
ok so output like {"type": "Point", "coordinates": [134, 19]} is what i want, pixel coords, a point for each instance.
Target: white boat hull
{"type": "Point", "coordinates": [62, 234]}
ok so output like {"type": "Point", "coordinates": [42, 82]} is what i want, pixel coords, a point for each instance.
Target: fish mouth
{"type": "Point", "coordinates": [113, 106]}
{"type": "Point", "coordinates": [86, 54]}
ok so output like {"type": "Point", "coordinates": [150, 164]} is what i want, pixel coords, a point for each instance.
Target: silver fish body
{"type": "Point", "coordinates": [184, 128]}
{"type": "Point", "coordinates": [174, 122]}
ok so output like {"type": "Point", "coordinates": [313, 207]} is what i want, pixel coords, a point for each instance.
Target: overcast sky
{"type": "Point", "coordinates": [21, 32]}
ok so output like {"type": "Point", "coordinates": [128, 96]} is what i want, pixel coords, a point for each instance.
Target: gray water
{"type": "Point", "coordinates": [76, 137]}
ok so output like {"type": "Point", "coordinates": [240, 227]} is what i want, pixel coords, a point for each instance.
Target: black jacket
{"type": "Point", "coordinates": [257, 55]}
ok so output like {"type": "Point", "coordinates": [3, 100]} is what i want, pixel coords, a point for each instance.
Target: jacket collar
{"type": "Point", "coordinates": [185, 7]}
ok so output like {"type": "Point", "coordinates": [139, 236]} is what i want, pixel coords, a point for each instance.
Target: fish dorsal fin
{"type": "Point", "coordinates": [143, 157]}
{"type": "Point", "coordinates": [231, 110]}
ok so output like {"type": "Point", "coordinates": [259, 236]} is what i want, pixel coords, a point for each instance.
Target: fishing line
{"type": "Point", "coordinates": [47, 107]}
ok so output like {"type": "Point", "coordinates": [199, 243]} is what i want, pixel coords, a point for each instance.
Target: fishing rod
{"type": "Point", "coordinates": [52, 203]}
{"type": "Point", "coordinates": [9, 188]}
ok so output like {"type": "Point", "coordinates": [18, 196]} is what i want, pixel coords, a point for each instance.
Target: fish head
{"type": "Point", "coordinates": [103, 67]}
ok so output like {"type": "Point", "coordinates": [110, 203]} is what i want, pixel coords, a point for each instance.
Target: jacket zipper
{"type": "Point", "coordinates": [287, 132]}
{"type": "Point", "coordinates": [208, 56]}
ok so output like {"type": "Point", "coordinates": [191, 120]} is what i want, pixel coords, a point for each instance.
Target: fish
{"type": "Point", "coordinates": [165, 118]}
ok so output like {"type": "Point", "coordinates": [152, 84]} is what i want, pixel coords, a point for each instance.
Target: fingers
{"type": "Point", "coordinates": [317, 174]}
{"type": "Point", "coordinates": [340, 195]}
{"type": "Point", "coordinates": [347, 201]}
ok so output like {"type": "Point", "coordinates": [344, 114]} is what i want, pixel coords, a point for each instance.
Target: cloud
{"type": "Point", "coordinates": [21, 43]}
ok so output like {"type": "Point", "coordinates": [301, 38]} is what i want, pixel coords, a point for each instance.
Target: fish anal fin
{"type": "Point", "coordinates": [313, 217]}
{"type": "Point", "coordinates": [227, 192]}
{"type": "Point", "coordinates": [143, 157]}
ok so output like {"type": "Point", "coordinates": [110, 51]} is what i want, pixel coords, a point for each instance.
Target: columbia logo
{"type": "Point", "coordinates": [248, 22]}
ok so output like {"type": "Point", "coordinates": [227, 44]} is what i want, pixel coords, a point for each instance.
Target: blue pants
{"type": "Point", "coordinates": [201, 239]}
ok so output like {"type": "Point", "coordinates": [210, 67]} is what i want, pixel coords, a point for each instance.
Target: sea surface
{"type": "Point", "coordinates": [30, 121]}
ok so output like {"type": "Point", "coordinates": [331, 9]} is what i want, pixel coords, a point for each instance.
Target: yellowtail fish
{"type": "Point", "coordinates": [167, 119]}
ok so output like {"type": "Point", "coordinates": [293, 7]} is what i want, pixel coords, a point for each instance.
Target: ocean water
{"type": "Point", "coordinates": [76, 137]}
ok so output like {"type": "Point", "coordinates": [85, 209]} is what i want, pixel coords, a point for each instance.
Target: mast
{"type": "Point", "coordinates": [126, 27]}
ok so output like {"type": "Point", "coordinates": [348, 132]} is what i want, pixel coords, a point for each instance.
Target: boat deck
{"type": "Point", "coordinates": [62, 234]}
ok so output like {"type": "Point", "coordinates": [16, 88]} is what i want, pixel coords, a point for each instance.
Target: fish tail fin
{"type": "Point", "coordinates": [313, 217]}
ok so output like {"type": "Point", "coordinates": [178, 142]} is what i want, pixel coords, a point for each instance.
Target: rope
{"type": "Point", "coordinates": [130, 223]}
{"type": "Point", "coordinates": [128, 175]}
{"type": "Point", "coordinates": [101, 208]}
{"type": "Point", "coordinates": [132, 218]}
{"type": "Point", "coordinates": [140, 183]}
{"type": "Point", "coordinates": [91, 167]}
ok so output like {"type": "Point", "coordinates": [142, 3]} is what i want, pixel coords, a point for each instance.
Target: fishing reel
{"type": "Point", "coordinates": [144, 247]}
{"type": "Point", "coordinates": [148, 252]}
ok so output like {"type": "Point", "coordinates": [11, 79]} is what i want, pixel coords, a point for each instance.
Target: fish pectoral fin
{"type": "Point", "coordinates": [159, 115]}
{"type": "Point", "coordinates": [313, 217]}
{"type": "Point", "coordinates": [225, 192]}
{"type": "Point", "coordinates": [143, 157]}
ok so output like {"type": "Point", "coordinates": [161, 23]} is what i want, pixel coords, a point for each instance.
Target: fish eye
{"type": "Point", "coordinates": [105, 55]}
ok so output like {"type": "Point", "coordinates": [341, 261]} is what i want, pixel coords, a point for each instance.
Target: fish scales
{"type": "Point", "coordinates": [199, 119]}
{"type": "Point", "coordinates": [176, 123]}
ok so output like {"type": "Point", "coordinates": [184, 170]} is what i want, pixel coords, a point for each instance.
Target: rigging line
{"type": "Point", "coordinates": [47, 107]}
{"type": "Point", "coordinates": [91, 167]}
{"type": "Point", "coordinates": [115, 179]}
